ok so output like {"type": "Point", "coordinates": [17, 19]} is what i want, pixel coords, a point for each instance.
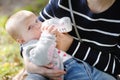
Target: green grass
{"type": "Point", "coordinates": [10, 59]}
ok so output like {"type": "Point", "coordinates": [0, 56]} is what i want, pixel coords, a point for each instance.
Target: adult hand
{"type": "Point", "coordinates": [64, 41]}
{"type": "Point", "coordinates": [46, 71]}
{"type": "Point", "coordinates": [52, 73]}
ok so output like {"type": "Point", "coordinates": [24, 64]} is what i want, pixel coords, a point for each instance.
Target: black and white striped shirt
{"type": "Point", "coordinates": [100, 33]}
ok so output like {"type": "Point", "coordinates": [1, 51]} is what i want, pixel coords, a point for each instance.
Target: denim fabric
{"type": "Point", "coordinates": [77, 71]}
{"type": "Point", "coordinates": [35, 77]}
{"type": "Point", "coordinates": [82, 71]}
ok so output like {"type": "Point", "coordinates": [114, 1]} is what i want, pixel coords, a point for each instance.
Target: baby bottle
{"type": "Point", "coordinates": [62, 24]}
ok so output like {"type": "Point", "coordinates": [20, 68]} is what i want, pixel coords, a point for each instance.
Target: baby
{"type": "Point", "coordinates": [39, 44]}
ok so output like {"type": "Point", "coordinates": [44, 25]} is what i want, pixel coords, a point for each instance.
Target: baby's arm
{"type": "Point", "coordinates": [39, 54]}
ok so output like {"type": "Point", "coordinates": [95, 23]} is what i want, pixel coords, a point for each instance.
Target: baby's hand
{"type": "Point", "coordinates": [50, 29]}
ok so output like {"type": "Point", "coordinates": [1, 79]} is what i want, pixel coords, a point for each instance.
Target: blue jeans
{"type": "Point", "coordinates": [77, 71]}
{"type": "Point", "coordinates": [83, 71]}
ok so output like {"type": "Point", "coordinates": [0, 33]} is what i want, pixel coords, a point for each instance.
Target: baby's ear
{"type": "Point", "coordinates": [21, 41]}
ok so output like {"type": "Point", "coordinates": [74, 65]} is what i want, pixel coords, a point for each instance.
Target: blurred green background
{"type": "Point", "coordinates": [10, 59]}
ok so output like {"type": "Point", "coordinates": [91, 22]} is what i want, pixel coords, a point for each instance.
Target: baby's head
{"type": "Point", "coordinates": [23, 26]}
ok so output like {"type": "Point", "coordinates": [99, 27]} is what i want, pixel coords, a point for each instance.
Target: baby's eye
{"type": "Point", "coordinates": [29, 27]}
{"type": "Point", "coordinates": [36, 20]}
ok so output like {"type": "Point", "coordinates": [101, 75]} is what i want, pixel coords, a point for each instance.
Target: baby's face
{"type": "Point", "coordinates": [31, 28]}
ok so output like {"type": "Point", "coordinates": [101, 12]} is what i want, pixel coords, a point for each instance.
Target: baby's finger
{"type": "Point", "coordinates": [54, 30]}
{"type": "Point", "coordinates": [50, 28]}
{"type": "Point", "coordinates": [44, 27]}
{"type": "Point", "coordinates": [54, 74]}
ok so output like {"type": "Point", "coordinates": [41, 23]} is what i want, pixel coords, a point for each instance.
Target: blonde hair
{"type": "Point", "coordinates": [13, 23]}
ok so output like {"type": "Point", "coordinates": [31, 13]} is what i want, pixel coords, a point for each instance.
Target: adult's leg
{"type": "Point", "coordinates": [97, 74]}
{"type": "Point", "coordinates": [76, 71]}
{"type": "Point", "coordinates": [83, 71]}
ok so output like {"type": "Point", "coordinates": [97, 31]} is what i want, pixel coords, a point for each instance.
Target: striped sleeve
{"type": "Point", "coordinates": [47, 12]}
{"type": "Point", "coordinates": [102, 60]}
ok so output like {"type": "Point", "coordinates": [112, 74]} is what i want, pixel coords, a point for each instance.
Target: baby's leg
{"type": "Point", "coordinates": [35, 77]}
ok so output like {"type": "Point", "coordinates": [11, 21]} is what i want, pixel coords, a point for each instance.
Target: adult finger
{"type": "Point", "coordinates": [54, 74]}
